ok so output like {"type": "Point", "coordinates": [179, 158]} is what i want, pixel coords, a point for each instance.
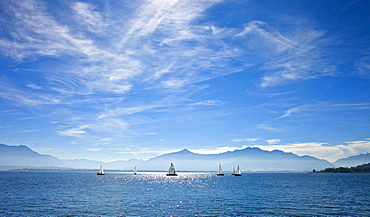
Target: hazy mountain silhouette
{"type": "Point", "coordinates": [353, 160]}
{"type": "Point", "coordinates": [249, 159]}
{"type": "Point", "coordinates": [22, 156]}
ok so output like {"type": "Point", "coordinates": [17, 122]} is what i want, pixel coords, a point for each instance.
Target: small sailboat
{"type": "Point", "coordinates": [220, 172]}
{"type": "Point", "coordinates": [171, 171]}
{"type": "Point", "coordinates": [101, 171]}
{"type": "Point", "coordinates": [238, 172]}
{"type": "Point", "coordinates": [135, 171]}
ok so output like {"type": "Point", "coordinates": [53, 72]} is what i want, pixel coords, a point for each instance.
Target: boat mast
{"type": "Point", "coordinates": [220, 172]}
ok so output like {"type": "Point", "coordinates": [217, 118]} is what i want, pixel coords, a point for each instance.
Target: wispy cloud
{"type": "Point", "coordinates": [287, 58]}
{"type": "Point", "coordinates": [273, 141]}
{"type": "Point", "coordinates": [29, 131]}
{"type": "Point", "coordinates": [294, 110]}
{"type": "Point", "coordinates": [34, 86]}
{"type": "Point", "coordinates": [207, 102]}
{"type": "Point", "coordinates": [36, 32]}
{"type": "Point", "coordinates": [74, 132]}
{"type": "Point", "coordinates": [322, 107]}
{"type": "Point", "coordinates": [166, 60]}
{"type": "Point", "coordinates": [245, 140]}
{"type": "Point", "coordinates": [101, 68]}
{"type": "Point", "coordinates": [88, 14]}
{"type": "Point", "coordinates": [268, 127]}
{"type": "Point", "coordinates": [363, 66]}
{"type": "Point", "coordinates": [26, 98]}
{"type": "Point", "coordinates": [94, 149]}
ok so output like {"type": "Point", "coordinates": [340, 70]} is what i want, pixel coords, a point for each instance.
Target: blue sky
{"type": "Point", "coordinates": [116, 80]}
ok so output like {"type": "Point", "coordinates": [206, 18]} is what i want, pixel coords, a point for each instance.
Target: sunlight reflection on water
{"type": "Point", "coordinates": [188, 194]}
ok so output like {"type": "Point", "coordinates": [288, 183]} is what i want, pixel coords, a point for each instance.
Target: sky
{"type": "Point", "coordinates": [121, 79]}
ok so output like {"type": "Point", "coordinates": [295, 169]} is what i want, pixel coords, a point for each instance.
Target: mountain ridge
{"type": "Point", "coordinates": [249, 159]}
{"type": "Point", "coordinates": [353, 160]}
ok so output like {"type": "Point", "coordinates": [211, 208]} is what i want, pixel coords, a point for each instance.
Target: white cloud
{"type": "Point", "coordinates": [165, 16]}
{"type": "Point", "coordinates": [36, 32]}
{"type": "Point", "coordinates": [273, 141]}
{"type": "Point", "coordinates": [216, 150]}
{"type": "Point", "coordinates": [24, 97]}
{"type": "Point", "coordinates": [294, 110]}
{"type": "Point", "coordinates": [89, 15]}
{"type": "Point", "coordinates": [268, 127]}
{"type": "Point", "coordinates": [322, 106]}
{"type": "Point", "coordinates": [151, 133]}
{"type": "Point", "coordinates": [323, 150]}
{"type": "Point", "coordinates": [28, 131]}
{"type": "Point", "coordinates": [245, 140]}
{"type": "Point", "coordinates": [34, 86]}
{"type": "Point", "coordinates": [74, 132]}
{"type": "Point", "coordinates": [105, 139]}
{"type": "Point", "coordinates": [363, 65]}
{"type": "Point", "coordinates": [286, 58]}
{"type": "Point", "coordinates": [146, 48]}
{"type": "Point", "coordinates": [94, 149]}
{"type": "Point", "coordinates": [207, 102]}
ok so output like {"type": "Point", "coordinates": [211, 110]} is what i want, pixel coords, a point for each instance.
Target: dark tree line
{"type": "Point", "coordinates": [364, 168]}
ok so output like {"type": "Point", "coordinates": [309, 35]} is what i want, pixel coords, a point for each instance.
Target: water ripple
{"type": "Point", "coordinates": [189, 194]}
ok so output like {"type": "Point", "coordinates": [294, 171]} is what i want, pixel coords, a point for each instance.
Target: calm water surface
{"type": "Point", "coordinates": [189, 194]}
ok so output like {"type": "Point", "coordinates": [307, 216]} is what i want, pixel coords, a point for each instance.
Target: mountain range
{"type": "Point", "coordinates": [23, 157]}
{"type": "Point", "coordinates": [353, 160]}
{"type": "Point", "coordinates": [249, 159]}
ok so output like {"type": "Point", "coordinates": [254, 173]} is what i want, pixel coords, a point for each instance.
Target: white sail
{"type": "Point", "coordinates": [135, 172]}
{"type": "Point", "coordinates": [238, 171]}
{"type": "Point", "coordinates": [101, 171]}
{"type": "Point", "coordinates": [220, 172]}
{"type": "Point", "coordinates": [171, 171]}
{"type": "Point", "coordinates": [220, 169]}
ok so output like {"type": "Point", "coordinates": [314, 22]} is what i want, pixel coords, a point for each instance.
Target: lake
{"type": "Point", "coordinates": [188, 194]}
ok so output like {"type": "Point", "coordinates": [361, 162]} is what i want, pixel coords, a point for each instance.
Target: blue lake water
{"type": "Point", "coordinates": [189, 194]}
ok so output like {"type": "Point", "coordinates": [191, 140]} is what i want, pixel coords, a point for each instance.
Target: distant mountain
{"type": "Point", "coordinates": [353, 161]}
{"type": "Point", "coordinates": [249, 159]}
{"type": "Point", "coordinates": [122, 164]}
{"type": "Point", "coordinates": [21, 157]}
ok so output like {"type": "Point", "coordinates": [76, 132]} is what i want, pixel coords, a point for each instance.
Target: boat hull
{"type": "Point", "coordinates": [171, 174]}
{"type": "Point", "coordinates": [100, 174]}
{"type": "Point", "coordinates": [237, 174]}
{"type": "Point", "coordinates": [220, 174]}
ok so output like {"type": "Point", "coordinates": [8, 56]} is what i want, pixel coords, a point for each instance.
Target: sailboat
{"type": "Point", "coordinates": [238, 172]}
{"type": "Point", "coordinates": [101, 171]}
{"type": "Point", "coordinates": [135, 172]}
{"type": "Point", "coordinates": [171, 171]}
{"type": "Point", "coordinates": [220, 173]}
